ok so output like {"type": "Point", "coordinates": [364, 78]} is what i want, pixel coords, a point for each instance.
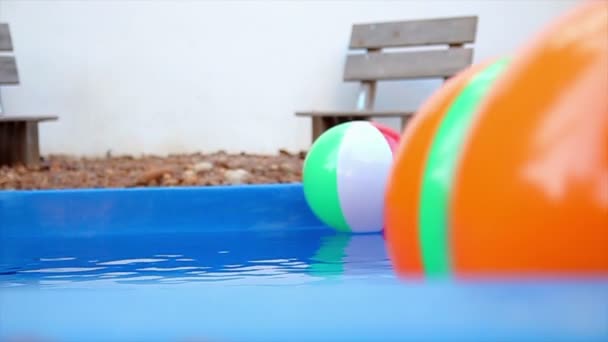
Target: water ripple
{"type": "Point", "coordinates": [63, 270]}
{"type": "Point", "coordinates": [130, 261]}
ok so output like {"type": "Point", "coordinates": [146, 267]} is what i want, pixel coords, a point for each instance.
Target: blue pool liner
{"type": "Point", "coordinates": [155, 210]}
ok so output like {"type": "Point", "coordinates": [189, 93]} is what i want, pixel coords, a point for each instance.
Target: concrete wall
{"type": "Point", "coordinates": [179, 76]}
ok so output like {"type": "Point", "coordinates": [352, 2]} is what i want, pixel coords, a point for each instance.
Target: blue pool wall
{"type": "Point", "coordinates": [87, 212]}
{"type": "Point", "coordinates": [131, 223]}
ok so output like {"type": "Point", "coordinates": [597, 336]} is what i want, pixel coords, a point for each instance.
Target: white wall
{"type": "Point", "coordinates": [180, 76]}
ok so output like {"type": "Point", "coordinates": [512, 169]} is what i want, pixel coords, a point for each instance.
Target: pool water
{"type": "Point", "coordinates": [247, 263]}
{"type": "Point", "coordinates": [230, 258]}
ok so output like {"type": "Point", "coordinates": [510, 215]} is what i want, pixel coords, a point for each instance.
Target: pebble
{"type": "Point", "coordinates": [189, 174]}
{"type": "Point", "coordinates": [238, 176]}
{"type": "Point", "coordinates": [189, 178]}
{"type": "Point", "coordinates": [21, 169]}
{"type": "Point", "coordinates": [170, 182]}
{"type": "Point", "coordinates": [11, 176]}
{"type": "Point", "coordinates": [152, 176]}
{"type": "Point", "coordinates": [286, 167]}
{"type": "Point", "coordinates": [203, 166]}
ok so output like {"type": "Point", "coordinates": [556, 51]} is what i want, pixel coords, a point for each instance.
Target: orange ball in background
{"type": "Point", "coordinates": [531, 193]}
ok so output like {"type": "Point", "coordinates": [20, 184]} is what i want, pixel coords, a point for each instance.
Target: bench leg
{"type": "Point", "coordinates": [320, 124]}
{"type": "Point", "coordinates": [19, 143]}
{"type": "Point", "coordinates": [404, 121]}
{"type": "Point", "coordinates": [31, 150]}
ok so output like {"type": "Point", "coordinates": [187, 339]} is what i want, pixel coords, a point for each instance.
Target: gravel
{"type": "Point", "coordinates": [66, 172]}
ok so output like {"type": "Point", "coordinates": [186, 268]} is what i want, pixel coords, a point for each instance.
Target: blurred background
{"type": "Point", "coordinates": [168, 77]}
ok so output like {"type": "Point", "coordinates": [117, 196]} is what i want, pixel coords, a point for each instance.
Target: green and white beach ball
{"type": "Point", "coordinates": [345, 174]}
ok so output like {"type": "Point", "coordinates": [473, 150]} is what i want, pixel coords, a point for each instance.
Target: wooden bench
{"type": "Point", "coordinates": [18, 133]}
{"type": "Point", "coordinates": [377, 64]}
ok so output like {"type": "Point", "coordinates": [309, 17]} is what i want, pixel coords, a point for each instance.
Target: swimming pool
{"type": "Point", "coordinates": [246, 263]}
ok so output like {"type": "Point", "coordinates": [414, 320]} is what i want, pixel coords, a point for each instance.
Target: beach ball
{"type": "Point", "coordinates": [405, 180]}
{"type": "Point", "coordinates": [504, 170]}
{"type": "Point", "coordinates": [345, 172]}
{"type": "Point", "coordinates": [421, 182]}
{"type": "Point", "coordinates": [531, 193]}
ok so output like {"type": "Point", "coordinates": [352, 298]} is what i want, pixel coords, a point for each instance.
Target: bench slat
{"type": "Point", "coordinates": [26, 118]}
{"type": "Point", "coordinates": [361, 113]}
{"type": "Point", "coordinates": [6, 43]}
{"type": "Point", "coordinates": [8, 70]}
{"type": "Point", "coordinates": [407, 65]}
{"type": "Point", "coordinates": [454, 30]}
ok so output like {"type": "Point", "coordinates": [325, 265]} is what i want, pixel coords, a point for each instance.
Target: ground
{"type": "Point", "coordinates": [62, 172]}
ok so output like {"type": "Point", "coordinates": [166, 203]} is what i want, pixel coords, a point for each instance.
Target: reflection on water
{"type": "Point", "coordinates": [273, 258]}
{"type": "Point", "coordinates": [346, 254]}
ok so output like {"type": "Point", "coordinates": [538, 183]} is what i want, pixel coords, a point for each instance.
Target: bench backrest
{"type": "Point", "coordinates": [8, 65]}
{"type": "Point", "coordinates": [376, 64]}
